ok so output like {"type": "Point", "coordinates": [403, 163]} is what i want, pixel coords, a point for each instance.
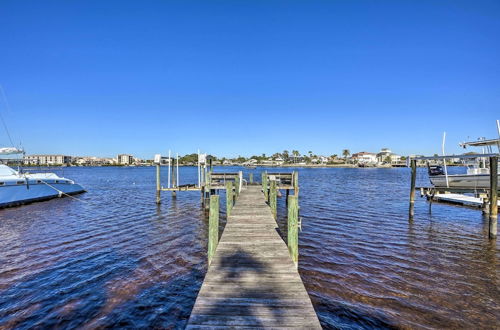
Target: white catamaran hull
{"type": "Point", "coordinates": [21, 188]}
{"type": "Point", "coordinates": [462, 181]}
{"type": "Point", "coordinates": [22, 194]}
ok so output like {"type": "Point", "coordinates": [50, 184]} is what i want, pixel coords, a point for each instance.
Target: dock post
{"type": "Point", "coordinates": [493, 196]}
{"type": "Point", "coordinates": [295, 179]}
{"type": "Point", "coordinates": [250, 178]}
{"type": "Point", "coordinates": [264, 185]}
{"type": "Point", "coordinates": [229, 197]}
{"type": "Point", "coordinates": [213, 227]}
{"type": "Point", "coordinates": [207, 190]}
{"type": "Point", "coordinates": [158, 184]}
{"type": "Point", "coordinates": [293, 228]}
{"type": "Point", "coordinates": [273, 198]}
{"type": "Point", "coordinates": [237, 186]}
{"type": "Point", "coordinates": [485, 207]}
{"type": "Point", "coordinates": [174, 181]}
{"type": "Point", "coordinates": [412, 188]}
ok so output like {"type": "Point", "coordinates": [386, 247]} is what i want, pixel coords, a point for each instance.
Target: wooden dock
{"type": "Point", "coordinates": [460, 199]}
{"type": "Point", "coordinates": [252, 280]}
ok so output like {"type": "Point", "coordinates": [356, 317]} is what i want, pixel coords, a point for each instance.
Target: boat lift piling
{"type": "Point", "coordinates": [413, 166]}
{"type": "Point", "coordinates": [493, 197]}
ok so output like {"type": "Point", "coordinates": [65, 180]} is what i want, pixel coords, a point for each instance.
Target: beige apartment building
{"type": "Point", "coordinates": [124, 159]}
{"type": "Point", "coordinates": [47, 159]}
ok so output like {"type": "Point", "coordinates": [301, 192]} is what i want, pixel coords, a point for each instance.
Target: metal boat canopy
{"type": "Point", "coordinates": [481, 143]}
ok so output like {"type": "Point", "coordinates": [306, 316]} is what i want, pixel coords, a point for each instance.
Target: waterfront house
{"type": "Point", "coordinates": [387, 156]}
{"type": "Point", "coordinates": [279, 161]}
{"type": "Point", "coordinates": [250, 162]}
{"type": "Point", "coordinates": [365, 157]}
{"type": "Point", "coordinates": [268, 162]}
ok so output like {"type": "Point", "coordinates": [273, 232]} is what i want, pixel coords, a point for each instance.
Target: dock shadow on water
{"type": "Point", "coordinates": [242, 291]}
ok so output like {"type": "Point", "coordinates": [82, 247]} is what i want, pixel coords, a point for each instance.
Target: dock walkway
{"type": "Point", "coordinates": [252, 281]}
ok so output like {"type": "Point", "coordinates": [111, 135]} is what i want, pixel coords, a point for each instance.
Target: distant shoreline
{"type": "Point", "coordinates": [235, 165]}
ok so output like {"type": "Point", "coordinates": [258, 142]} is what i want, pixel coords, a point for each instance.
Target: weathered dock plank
{"type": "Point", "coordinates": [252, 281]}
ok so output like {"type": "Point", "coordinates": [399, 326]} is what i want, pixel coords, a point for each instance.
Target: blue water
{"type": "Point", "coordinates": [113, 258]}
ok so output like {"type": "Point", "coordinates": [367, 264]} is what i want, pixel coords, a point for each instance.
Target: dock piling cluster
{"type": "Point", "coordinates": [493, 197]}
{"type": "Point", "coordinates": [252, 279]}
{"type": "Point", "coordinates": [486, 197]}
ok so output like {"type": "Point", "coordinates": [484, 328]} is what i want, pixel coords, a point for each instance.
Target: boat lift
{"type": "Point", "coordinates": [209, 182]}
{"type": "Point", "coordinates": [485, 197]}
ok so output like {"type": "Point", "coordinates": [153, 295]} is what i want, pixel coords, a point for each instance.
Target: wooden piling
{"type": "Point", "coordinates": [493, 197]}
{"type": "Point", "coordinates": [412, 188]}
{"type": "Point", "coordinates": [237, 186]}
{"type": "Point", "coordinates": [250, 178]}
{"type": "Point", "coordinates": [295, 178]}
{"type": "Point", "coordinates": [158, 184]}
{"type": "Point", "coordinates": [293, 228]}
{"type": "Point", "coordinates": [229, 197]}
{"type": "Point", "coordinates": [264, 186]}
{"type": "Point", "coordinates": [207, 190]}
{"type": "Point", "coordinates": [174, 180]}
{"type": "Point", "coordinates": [485, 206]}
{"type": "Point", "coordinates": [213, 227]}
{"type": "Point", "coordinates": [273, 202]}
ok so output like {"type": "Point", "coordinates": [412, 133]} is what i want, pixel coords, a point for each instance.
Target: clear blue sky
{"type": "Point", "coordinates": [248, 77]}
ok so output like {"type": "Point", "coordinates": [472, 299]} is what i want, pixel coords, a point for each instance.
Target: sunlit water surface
{"type": "Point", "coordinates": [115, 259]}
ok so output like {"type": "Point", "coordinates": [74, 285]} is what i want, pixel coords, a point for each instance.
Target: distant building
{"type": "Point", "coordinates": [124, 159]}
{"type": "Point", "coordinates": [92, 161]}
{"type": "Point", "coordinates": [365, 157]}
{"type": "Point", "coordinates": [385, 154]}
{"type": "Point", "coordinates": [321, 160]}
{"type": "Point", "coordinates": [47, 159]}
{"type": "Point", "coordinates": [250, 162]}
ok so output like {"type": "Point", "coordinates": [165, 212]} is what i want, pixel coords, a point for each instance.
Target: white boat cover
{"type": "Point", "coordinates": [10, 151]}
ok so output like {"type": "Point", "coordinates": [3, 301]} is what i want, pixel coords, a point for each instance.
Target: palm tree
{"type": "Point", "coordinates": [285, 155]}
{"type": "Point", "coordinates": [295, 154]}
{"type": "Point", "coordinates": [346, 154]}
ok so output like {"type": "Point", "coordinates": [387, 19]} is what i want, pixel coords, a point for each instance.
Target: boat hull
{"type": "Point", "coordinates": [11, 195]}
{"type": "Point", "coordinates": [462, 181]}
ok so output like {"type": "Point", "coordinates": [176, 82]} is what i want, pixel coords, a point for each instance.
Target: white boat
{"type": "Point", "coordinates": [469, 180]}
{"type": "Point", "coordinates": [478, 174]}
{"type": "Point", "coordinates": [20, 188]}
